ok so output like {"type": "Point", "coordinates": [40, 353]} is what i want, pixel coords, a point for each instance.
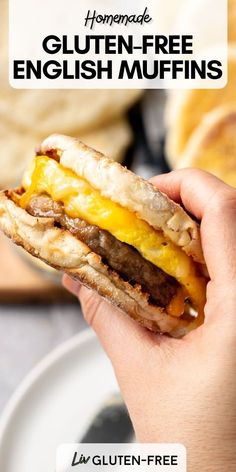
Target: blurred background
{"type": "Point", "coordinates": [150, 132]}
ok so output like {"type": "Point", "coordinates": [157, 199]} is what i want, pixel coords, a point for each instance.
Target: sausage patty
{"type": "Point", "coordinates": [121, 257]}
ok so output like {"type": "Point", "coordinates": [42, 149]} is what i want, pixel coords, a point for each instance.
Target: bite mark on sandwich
{"type": "Point", "coordinates": [100, 203]}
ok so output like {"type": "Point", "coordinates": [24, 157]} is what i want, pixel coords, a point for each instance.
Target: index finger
{"type": "Point", "coordinates": [214, 203]}
{"type": "Point", "coordinates": [193, 188]}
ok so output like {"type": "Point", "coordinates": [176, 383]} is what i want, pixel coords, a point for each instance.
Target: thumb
{"type": "Point", "coordinates": [125, 342]}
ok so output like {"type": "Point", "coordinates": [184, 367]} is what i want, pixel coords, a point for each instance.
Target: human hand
{"type": "Point", "coordinates": [183, 390]}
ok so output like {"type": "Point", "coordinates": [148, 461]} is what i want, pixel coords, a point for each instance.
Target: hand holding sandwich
{"type": "Point", "coordinates": [183, 390]}
{"type": "Point", "coordinates": [123, 237]}
{"type": "Point", "coordinates": [90, 217]}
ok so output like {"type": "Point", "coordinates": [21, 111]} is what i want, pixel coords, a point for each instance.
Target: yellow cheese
{"type": "Point", "coordinates": [82, 201]}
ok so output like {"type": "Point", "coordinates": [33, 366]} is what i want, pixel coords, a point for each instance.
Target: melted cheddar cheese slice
{"type": "Point", "coordinates": [81, 200]}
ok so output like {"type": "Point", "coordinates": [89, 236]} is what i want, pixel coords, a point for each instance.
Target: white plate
{"type": "Point", "coordinates": [55, 404]}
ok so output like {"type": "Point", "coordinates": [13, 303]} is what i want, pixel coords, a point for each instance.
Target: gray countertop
{"type": "Point", "coordinates": [27, 334]}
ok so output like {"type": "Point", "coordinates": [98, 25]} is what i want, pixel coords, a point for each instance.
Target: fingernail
{"type": "Point", "coordinates": [71, 285]}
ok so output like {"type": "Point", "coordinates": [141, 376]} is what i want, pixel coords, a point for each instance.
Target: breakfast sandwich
{"type": "Point", "coordinates": [90, 217]}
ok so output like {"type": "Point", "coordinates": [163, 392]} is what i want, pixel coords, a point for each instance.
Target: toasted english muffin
{"type": "Point", "coordinates": [186, 108]}
{"type": "Point", "coordinates": [212, 146]}
{"type": "Point", "coordinates": [85, 214]}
